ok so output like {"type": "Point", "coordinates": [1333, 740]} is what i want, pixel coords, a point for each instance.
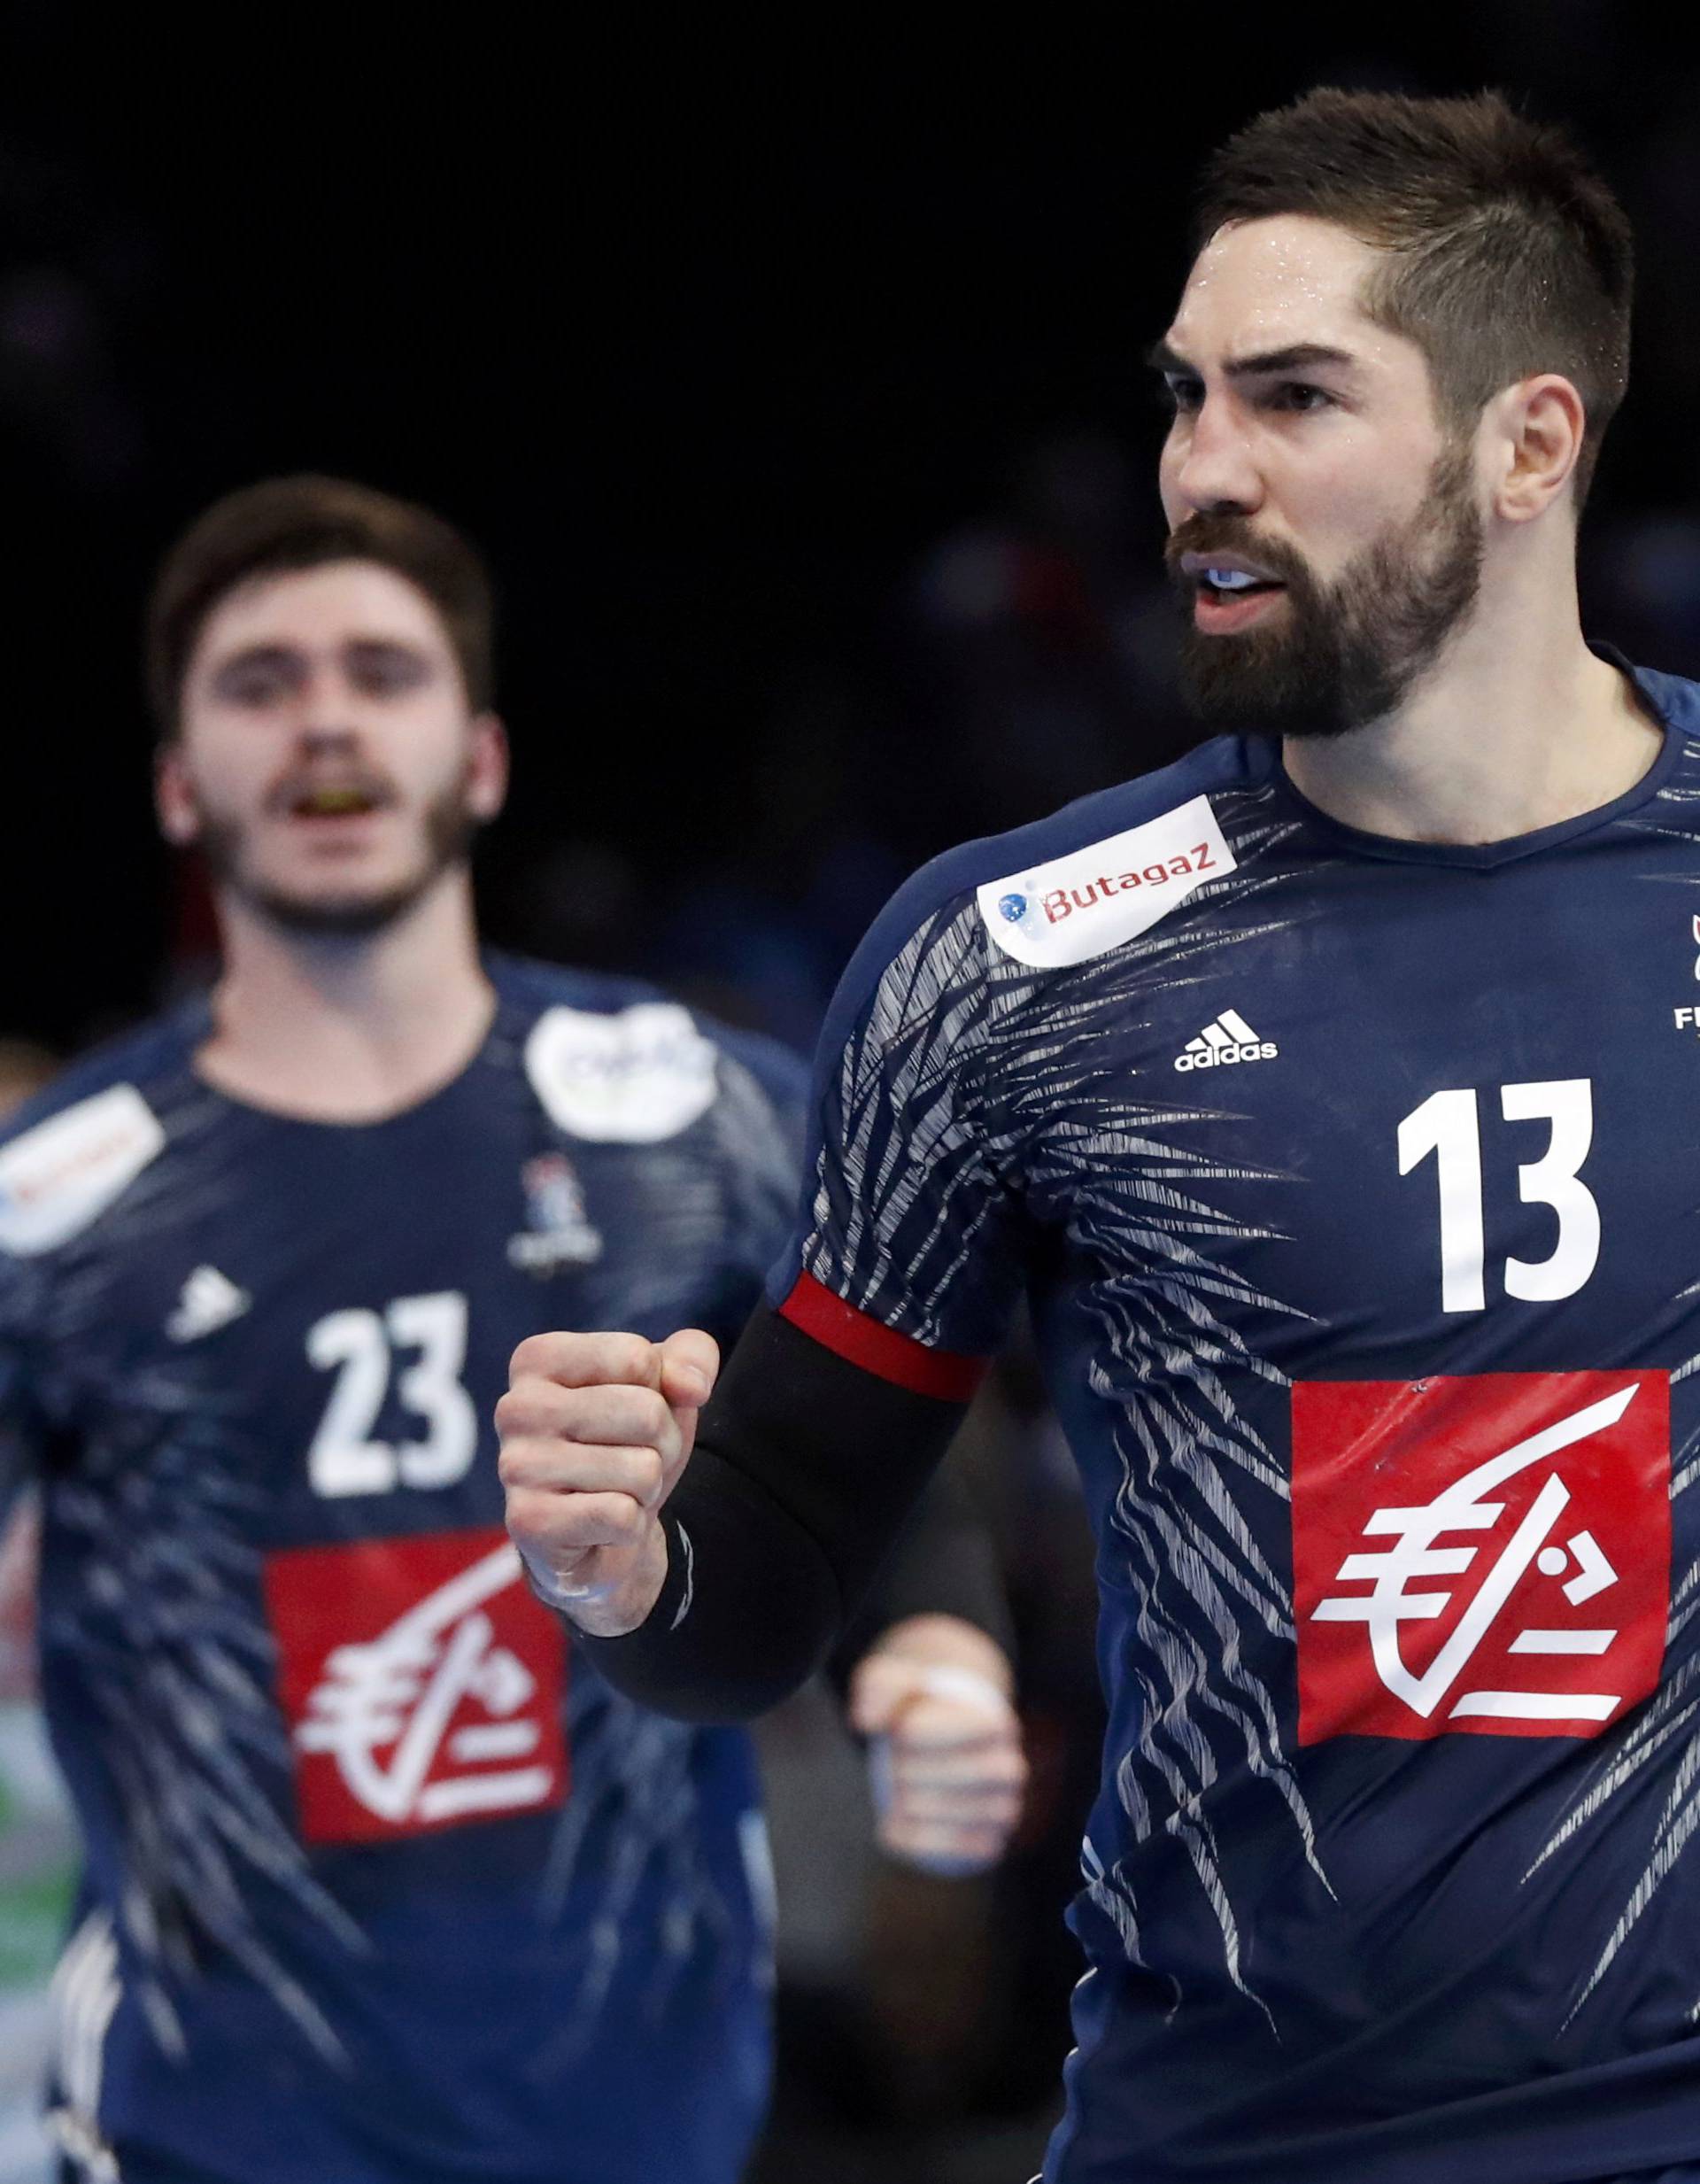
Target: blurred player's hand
{"type": "Point", "coordinates": [945, 1750]}
{"type": "Point", "coordinates": [595, 1430]}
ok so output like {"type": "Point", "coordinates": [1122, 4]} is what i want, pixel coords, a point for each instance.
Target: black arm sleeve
{"type": "Point", "coordinates": [944, 1563]}
{"type": "Point", "coordinates": [805, 1468]}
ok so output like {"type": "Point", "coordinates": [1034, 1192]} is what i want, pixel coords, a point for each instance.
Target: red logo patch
{"type": "Point", "coordinates": [1490, 1555]}
{"type": "Point", "coordinates": [422, 1683]}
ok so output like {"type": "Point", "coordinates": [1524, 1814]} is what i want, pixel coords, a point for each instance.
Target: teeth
{"type": "Point", "coordinates": [1230, 579]}
{"type": "Point", "coordinates": [331, 800]}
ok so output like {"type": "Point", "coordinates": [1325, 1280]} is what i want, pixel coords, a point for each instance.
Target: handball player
{"type": "Point", "coordinates": [1333, 1093]}
{"type": "Point", "coordinates": [384, 1883]}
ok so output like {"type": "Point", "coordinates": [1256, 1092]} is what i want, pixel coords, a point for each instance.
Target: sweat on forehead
{"type": "Point", "coordinates": [1272, 284]}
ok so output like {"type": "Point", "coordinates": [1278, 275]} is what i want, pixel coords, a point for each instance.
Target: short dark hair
{"type": "Point", "coordinates": [289, 523]}
{"type": "Point", "coordinates": [1508, 255]}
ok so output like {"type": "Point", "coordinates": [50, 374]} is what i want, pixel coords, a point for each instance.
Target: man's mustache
{"type": "Point", "coordinates": [302, 784]}
{"type": "Point", "coordinates": [1234, 534]}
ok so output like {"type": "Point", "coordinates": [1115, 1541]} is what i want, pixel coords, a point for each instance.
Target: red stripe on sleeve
{"type": "Point", "coordinates": [853, 1336]}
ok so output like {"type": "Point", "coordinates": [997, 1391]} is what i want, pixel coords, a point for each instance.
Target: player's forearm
{"type": "Point", "coordinates": [943, 1566]}
{"type": "Point", "coordinates": [804, 1471]}
{"type": "Point", "coordinates": [749, 1610]}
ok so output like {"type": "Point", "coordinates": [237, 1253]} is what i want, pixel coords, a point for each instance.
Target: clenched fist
{"type": "Point", "coordinates": [596, 1430]}
{"type": "Point", "coordinates": [934, 1698]}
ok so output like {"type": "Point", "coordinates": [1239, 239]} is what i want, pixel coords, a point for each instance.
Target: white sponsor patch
{"type": "Point", "coordinates": [626, 1080]}
{"type": "Point", "coordinates": [57, 1178]}
{"type": "Point", "coordinates": [1094, 899]}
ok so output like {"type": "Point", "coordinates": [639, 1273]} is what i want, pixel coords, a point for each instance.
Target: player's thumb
{"type": "Point", "coordinates": [690, 1365]}
{"type": "Point", "coordinates": [881, 1687]}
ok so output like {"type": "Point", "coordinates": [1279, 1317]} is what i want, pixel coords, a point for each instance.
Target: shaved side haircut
{"type": "Point", "coordinates": [1506, 254]}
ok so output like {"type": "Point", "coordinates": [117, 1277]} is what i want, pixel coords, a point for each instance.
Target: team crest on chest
{"type": "Point", "coordinates": [422, 1683]}
{"type": "Point", "coordinates": [558, 1231]}
{"type": "Point", "coordinates": [1487, 1553]}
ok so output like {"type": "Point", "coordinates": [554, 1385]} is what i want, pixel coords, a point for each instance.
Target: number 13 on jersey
{"type": "Point", "coordinates": [1449, 1124]}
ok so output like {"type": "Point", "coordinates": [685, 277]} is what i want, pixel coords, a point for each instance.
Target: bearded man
{"type": "Point", "coordinates": [384, 1883]}
{"type": "Point", "coordinates": [1332, 1096]}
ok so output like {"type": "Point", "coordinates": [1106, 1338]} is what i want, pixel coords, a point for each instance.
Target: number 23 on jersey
{"type": "Point", "coordinates": [366, 1351]}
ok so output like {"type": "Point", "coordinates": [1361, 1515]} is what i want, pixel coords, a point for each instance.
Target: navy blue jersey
{"type": "Point", "coordinates": [1354, 1183]}
{"type": "Point", "coordinates": [384, 1885]}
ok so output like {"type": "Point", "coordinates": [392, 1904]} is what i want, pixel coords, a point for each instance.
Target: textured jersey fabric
{"type": "Point", "coordinates": [1355, 1184]}
{"type": "Point", "coordinates": [384, 1883]}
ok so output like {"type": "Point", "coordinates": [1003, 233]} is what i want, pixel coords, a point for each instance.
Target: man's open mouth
{"type": "Point", "coordinates": [1221, 585]}
{"type": "Point", "coordinates": [340, 802]}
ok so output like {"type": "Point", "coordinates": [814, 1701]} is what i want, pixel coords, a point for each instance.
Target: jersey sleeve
{"type": "Point", "coordinates": [20, 1427]}
{"type": "Point", "coordinates": [835, 1407]}
{"type": "Point", "coordinates": [769, 1084]}
{"type": "Point", "coordinates": [758, 1124]}
{"type": "Point", "coordinates": [902, 1260]}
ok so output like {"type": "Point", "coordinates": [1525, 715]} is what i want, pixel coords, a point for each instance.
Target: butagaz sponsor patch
{"type": "Point", "coordinates": [1094, 899]}
{"type": "Point", "coordinates": [629, 1079]}
{"type": "Point", "coordinates": [58, 1177]}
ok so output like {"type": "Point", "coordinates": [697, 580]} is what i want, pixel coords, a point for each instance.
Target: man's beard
{"type": "Point", "coordinates": [1338, 658]}
{"type": "Point", "coordinates": [449, 830]}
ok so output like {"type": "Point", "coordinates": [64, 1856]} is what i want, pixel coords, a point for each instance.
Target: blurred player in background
{"type": "Point", "coordinates": [1334, 1095]}
{"type": "Point", "coordinates": [38, 1842]}
{"type": "Point", "coordinates": [384, 1885]}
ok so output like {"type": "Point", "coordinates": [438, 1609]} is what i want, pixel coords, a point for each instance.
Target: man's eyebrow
{"type": "Point", "coordinates": [1300, 356]}
{"type": "Point", "coordinates": [259, 653]}
{"type": "Point", "coordinates": [277, 651]}
{"type": "Point", "coordinates": [412, 645]}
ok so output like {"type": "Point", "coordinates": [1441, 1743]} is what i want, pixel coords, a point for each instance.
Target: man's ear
{"type": "Point", "coordinates": [487, 767]}
{"type": "Point", "coordinates": [1539, 434]}
{"type": "Point", "coordinates": [174, 797]}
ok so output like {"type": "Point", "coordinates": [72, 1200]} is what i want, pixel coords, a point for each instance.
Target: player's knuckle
{"type": "Point", "coordinates": [519, 1464]}
{"type": "Point", "coordinates": [625, 1357]}
{"type": "Point", "coordinates": [525, 1514]}
{"type": "Point", "coordinates": [511, 1411]}
{"type": "Point", "coordinates": [530, 1407]}
{"type": "Point", "coordinates": [571, 1521]}
{"type": "Point", "coordinates": [635, 1417]}
{"type": "Point", "coordinates": [657, 1419]}
{"type": "Point", "coordinates": [537, 1356]}
{"type": "Point", "coordinates": [627, 1519]}
{"type": "Point", "coordinates": [590, 1521]}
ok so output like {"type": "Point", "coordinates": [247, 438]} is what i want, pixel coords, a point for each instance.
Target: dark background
{"type": "Point", "coordinates": [752, 367]}
{"type": "Point", "coordinates": [792, 385]}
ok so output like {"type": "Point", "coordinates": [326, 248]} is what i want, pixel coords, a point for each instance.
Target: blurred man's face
{"type": "Point", "coordinates": [1307, 469]}
{"type": "Point", "coordinates": [327, 762]}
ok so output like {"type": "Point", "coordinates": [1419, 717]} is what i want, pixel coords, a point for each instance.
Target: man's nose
{"type": "Point", "coordinates": [326, 713]}
{"type": "Point", "coordinates": [325, 736]}
{"type": "Point", "coordinates": [1217, 473]}
{"type": "Point", "coordinates": [326, 722]}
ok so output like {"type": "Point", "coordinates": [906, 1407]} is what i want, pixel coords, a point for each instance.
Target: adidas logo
{"type": "Point", "coordinates": [1230, 1039]}
{"type": "Point", "coordinates": [209, 1300]}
